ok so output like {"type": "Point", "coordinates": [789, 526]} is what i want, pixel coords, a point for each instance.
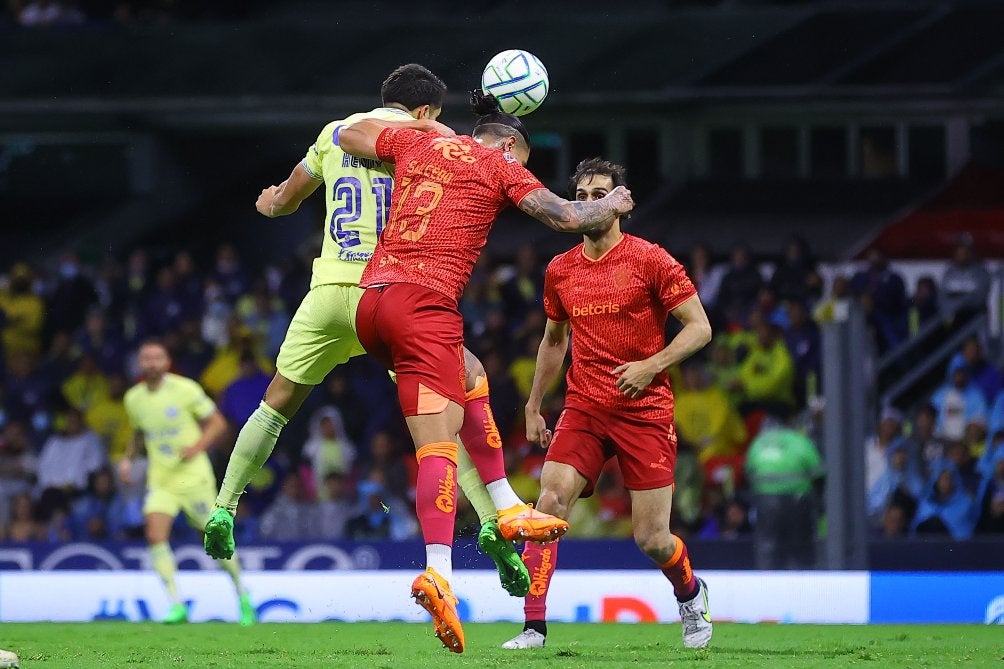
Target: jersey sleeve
{"type": "Point", "coordinates": [391, 142]}
{"type": "Point", "coordinates": [312, 161]}
{"type": "Point", "coordinates": [198, 403]}
{"type": "Point", "coordinates": [553, 308]}
{"type": "Point", "coordinates": [516, 180]}
{"type": "Point", "coordinates": [669, 279]}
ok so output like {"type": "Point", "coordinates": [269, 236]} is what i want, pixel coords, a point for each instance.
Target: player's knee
{"type": "Point", "coordinates": [654, 542]}
{"type": "Point", "coordinates": [554, 502]}
{"type": "Point", "coordinates": [154, 535]}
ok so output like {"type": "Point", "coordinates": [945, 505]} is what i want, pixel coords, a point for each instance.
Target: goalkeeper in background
{"type": "Point", "coordinates": [177, 422]}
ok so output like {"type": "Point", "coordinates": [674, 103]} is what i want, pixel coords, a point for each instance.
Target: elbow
{"type": "Point", "coordinates": [704, 334]}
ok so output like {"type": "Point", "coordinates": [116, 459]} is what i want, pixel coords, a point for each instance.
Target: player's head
{"type": "Point", "coordinates": [593, 179]}
{"type": "Point", "coordinates": [154, 360]}
{"type": "Point", "coordinates": [415, 89]}
{"type": "Point", "coordinates": [494, 128]}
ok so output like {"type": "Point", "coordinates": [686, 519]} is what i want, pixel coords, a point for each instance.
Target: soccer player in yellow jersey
{"type": "Point", "coordinates": [177, 422]}
{"type": "Point", "coordinates": [323, 331]}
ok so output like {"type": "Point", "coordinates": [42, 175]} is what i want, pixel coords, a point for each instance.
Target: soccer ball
{"type": "Point", "coordinates": [517, 79]}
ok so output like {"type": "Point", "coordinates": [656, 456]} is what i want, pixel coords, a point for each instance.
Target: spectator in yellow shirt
{"type": "Point", "coordinates": [705, 417]}
{"type": "Point", "coordinates": [23, 314]}
{"type": "Point", "coordinates": [767, 373]}
{"type": "Point", "coordinates": [87, 386]}
{"type": "Point", "coordinates": [107, 418]}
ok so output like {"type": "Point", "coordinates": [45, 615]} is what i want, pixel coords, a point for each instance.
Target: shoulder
{"type": "Point", "coordinates": [178, 383]}
{"type": "Point", "coordinates": [563, 262]}
{"type": "Point", "coordinates": [133, 393]}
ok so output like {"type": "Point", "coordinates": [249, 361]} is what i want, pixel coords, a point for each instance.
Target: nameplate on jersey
{"type": "Point", "coordinates": [348, 255]}
{"type": "Point", "coordinates": [352, 161]}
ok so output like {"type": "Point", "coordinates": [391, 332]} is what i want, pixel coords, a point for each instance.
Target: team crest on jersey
{"type": "Point", "coordinates": [172, 412]}
{"type": "Point", "coordinates": [453, 149]}
{"type": "Point", "coordinates": [509, 158]}
{"type": "Point", "coordinates": [622, 276]}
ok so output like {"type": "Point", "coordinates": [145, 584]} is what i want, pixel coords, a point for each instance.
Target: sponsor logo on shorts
{"type": "Point", "coordinates": [661, 464]}
{"type": "Point", "coordinates": [447, 491]}
{"type": "Point", "coordinates": [540, 575]}
{"type": "Point", "coordinates": [596, 309]}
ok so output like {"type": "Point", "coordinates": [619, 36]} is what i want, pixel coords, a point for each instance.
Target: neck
{"type": "Point", "coordinates": [155, 383]}
{"type": "Point", "coordinates": [598, 243]}
{"type": "Point", "coordinates": [397, 105]}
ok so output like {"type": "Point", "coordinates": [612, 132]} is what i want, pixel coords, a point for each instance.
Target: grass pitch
{"type": "Point", "coordinates": [403, 645]}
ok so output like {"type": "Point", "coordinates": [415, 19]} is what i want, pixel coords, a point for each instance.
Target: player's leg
{"type": "Point", "coordinates": [320, 337]}
{"type": "Point", "coordinates": [419, 334]}
{"type": "Point", "coordinates": [560, 485]}
{"type": "Point", "coordinates": [197, 505]}
{"type": "Point", "coordinates": [647, 455]}
{"type": "Point", "coordinates": [573, 464]}
{"type": "Point", "coordinates": [481, 438]}
{"type": "Point", "coordinates": [159, 511]}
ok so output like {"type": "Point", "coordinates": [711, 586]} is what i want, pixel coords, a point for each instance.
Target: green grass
{"type": "Point", "coordinates": [402, 645]}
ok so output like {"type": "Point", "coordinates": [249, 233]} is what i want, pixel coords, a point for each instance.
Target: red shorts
{"type": "Point", "coordinates": [419, 334]}
{"type": "Point", "coordinates": [586, 439]}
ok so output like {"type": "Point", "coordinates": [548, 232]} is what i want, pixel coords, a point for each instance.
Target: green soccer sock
{"type": "Point", "coordinates": [474, 488]}
{"type": "Point", "coordinates": [254, 444]}
{"type": "Point", "coordinates": [163, 563]}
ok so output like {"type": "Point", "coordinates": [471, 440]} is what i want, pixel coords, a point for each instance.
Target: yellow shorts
{"type": "Point", "coordinates": [322, 334]}
{"type": "Point", "coordinates": [196, 502]}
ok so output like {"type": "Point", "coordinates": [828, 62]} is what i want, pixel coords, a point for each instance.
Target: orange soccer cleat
{"type": "Point", "coordinates": [522, 522]}
{"type": "Point", "coordinates": [433, 593]}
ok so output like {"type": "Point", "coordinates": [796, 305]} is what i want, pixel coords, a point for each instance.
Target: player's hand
{"type": "Point", "coordinates": [125, 471]}
{"type": "Point", "coordinates": [536, 429]}
{"type": "Point", "coordinates": [189, 452]}
{"type": "Point", "coordinates": [621, 198]}
{"type": "Point", "coordinates": [264, 202]}
{"type": "Point", "coordinates": [635, 377]}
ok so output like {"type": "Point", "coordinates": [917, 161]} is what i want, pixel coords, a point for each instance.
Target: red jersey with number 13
{"type": "Point", "coordinates": [617, 307]}
{"type": "Point", "coordinates": [447, 193]}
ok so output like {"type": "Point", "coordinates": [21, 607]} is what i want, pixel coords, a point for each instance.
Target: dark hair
{"type": "Point", "coordinates": [413, 85]}
{"type": "Point", "coordinates": [591, 167]}
{"type": "Point", "coordinates": [154, 341]}
{"type": "Point", "coordinates": [490, 114]}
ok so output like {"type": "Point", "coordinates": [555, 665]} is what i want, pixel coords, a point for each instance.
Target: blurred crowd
{"type": "Point", "coordinates": [344, 468]}
{"type": "Point", "coordinates": [68, 13]}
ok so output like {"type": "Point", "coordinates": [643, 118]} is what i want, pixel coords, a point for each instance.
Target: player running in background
{"type": "Point", "coordinates": [322, 334]}
{"type": "Point", "coordinates": [177, 422]}
{"type": "Point", "coordinates": [447, 193]}
{"type": "Point", "coordinates": [614, 291]}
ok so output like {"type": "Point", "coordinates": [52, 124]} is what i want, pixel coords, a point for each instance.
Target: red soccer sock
{"type": "Point", "coordinates": [436, 491]}
{"type": "Point", "coordinates": [540, 560]}
{"type": "Point", "coordinates": [481, 436]}
{"type": "Point", "coordinates": [677, 570]}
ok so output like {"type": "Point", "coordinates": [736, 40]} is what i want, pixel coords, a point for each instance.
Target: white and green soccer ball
{"type": "Point", "coordinates": [517, 79]}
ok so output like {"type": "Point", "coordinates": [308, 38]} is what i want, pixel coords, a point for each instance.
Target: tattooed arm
{"type": "Point", "coordinates": [574, 216]}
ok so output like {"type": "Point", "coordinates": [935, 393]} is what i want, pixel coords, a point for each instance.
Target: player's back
{"type": "Point", "coordinates": [357, 197]}
{"type": "Point", "coordinates": [447, 193]}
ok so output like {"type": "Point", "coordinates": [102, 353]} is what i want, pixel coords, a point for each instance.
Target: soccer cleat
{"type": "Point", "coordinates": [522, 522]}
{"type": "Point", "coordinates": [526, 639]}
{"type": "Point", "coordinates": [696, 618]}
{"type": "Point", "coordinates": [219, 540]}
{"type": "Point", "coordinates": [8, 660]}
{"type": "Point", "coordinates": [249, 615]}
{"type": "Point", "coordinates": [513, 573]}
{"type": "Point", "coordinates": [432, 592]}
{"type": "Point", "coordinates": [178, 613]}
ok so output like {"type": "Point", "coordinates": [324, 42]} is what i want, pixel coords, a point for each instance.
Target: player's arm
{"type": "Point", "coordinates": [132, 448]}
{"type": "Point", "coordinates": [550, 357]}
{"type": "Point", "coordinates": [213, 427]}
{"type": "Point", "coordinates": [360, 138]}
{"type": "Point", "coordinates": [286, 198]}
{"type": "Point", "coordinates": [574, 216]}
{"type": "Point", "coordinates": [696, 333]}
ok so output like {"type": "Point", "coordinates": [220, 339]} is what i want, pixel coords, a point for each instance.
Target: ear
{"type": "Point", "coordinates": [422, 112]}
{"type": "Point", "coordinates": [508, 143]}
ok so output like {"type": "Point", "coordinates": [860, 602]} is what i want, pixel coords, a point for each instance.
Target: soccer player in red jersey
{"type": "Point", "coordinates": [614, 291]}
{"type": "Point", "coordinates": [447, 193]}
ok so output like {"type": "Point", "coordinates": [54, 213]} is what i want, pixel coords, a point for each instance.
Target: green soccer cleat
{"type": "Point", "coordinates": [512, 572]}
{"type": "Point", "coordinates": [249, 615]}
{"type": "Point", "coordinates": [219, 540]}
{"type": "Point", "coordinates": [177, 614]}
